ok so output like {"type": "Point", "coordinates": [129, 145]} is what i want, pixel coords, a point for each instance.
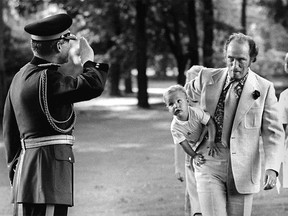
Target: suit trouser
{"type": "Point", "coordinates": [192, 205]}
{"type": "Point", "coordinates": [44, 210]}
{"type": "Point", "coordinates": [216, 188]}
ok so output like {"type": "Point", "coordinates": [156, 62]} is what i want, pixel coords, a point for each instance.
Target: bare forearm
{"type": "Point", "coordinates": [187, 148]}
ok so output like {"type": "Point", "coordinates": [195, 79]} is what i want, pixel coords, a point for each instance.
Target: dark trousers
{"type": "Point", "coordinates": [40, 210]}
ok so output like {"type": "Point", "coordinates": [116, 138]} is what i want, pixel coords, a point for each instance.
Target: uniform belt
{"type": "Point", "coordinates": [47, 140]}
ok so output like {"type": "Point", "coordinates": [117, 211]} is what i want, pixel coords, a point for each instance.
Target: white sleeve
{"type": "Point", "coordinates": [202, 115]}
{"type": "Point", "coordinates": [283, 106]}
{"type": "Point", "coordinates": [194, 88]}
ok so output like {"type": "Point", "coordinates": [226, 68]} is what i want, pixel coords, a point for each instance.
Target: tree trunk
{"type": "Point", "coordinates": [208, 22]}
{"type": "Point", "coordinates": [128, 83]}
{"type": "Point", "coordinates": [114, 79]}
{"type": "Point", "coordinates": [173, 36]}
{"type": "Point", "coordinates": [2, 66]}
{"type": "Point", "coordinates": [181, 63]}
{"type": "Point", "coordinates": [193, 53]}
{"type": "Point", "coordinates": [243, 16]}
{"type": "Point", "coordinates": [115, 70]}
{"type": "Point", "coordinates": [141, 56]}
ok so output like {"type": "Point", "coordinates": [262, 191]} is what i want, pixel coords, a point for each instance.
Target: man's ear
{"type": "Point", "coordinates": [59, 46]}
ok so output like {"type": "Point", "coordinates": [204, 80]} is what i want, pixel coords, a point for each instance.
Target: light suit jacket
{"type": "Point", "coordinates": [253, 118]}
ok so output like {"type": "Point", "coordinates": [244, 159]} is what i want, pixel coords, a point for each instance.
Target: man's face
{"type": "Point", "coordinates": [64, 53]}
{"type": "Point", "coordinates": [238, 59]}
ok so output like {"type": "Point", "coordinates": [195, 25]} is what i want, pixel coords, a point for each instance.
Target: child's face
{"type": "Point", "coordinates": [177, 104]}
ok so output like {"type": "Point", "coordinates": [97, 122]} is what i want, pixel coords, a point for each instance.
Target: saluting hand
{"type": "Point", "coordinates": [86, 52]}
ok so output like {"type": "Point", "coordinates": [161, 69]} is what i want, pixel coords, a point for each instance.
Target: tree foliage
{"type": "Point", "coordinates": [177, 27]}
{"type": "Point", "coordinates": [179, 33]}
{"type": "Point", "coordinates": [277, 10]}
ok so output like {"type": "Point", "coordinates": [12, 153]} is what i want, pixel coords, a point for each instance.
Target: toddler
{"type": "Point", "coordinates": [188, 130]}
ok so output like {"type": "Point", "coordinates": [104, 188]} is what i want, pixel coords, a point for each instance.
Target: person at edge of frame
{"type": "Point", "coordinates": [283, 106]}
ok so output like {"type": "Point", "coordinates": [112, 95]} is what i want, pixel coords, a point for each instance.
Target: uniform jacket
{"type": "Point", "coordinates": [254, 117]}
{"type": "Point", "coordinates": [47, 174]}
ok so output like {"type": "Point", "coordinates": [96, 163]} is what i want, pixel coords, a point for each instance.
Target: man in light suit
{"type": "Point", "coordinates": [244, 107]}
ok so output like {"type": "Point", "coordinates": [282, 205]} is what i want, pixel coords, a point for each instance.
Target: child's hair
{"type": "Point", "coordinates": [172, 89]}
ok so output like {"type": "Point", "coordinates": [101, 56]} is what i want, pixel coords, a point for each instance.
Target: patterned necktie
{"type": "Point", "coordinates": [219, 112]}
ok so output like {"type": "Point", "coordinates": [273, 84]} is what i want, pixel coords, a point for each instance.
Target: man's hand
{"type": "Point", "coordinates": [270, 179]}
{"type": "Point", "coordinates": [86, 52]}
{"type": "Point", "coordinates": [213, 148]}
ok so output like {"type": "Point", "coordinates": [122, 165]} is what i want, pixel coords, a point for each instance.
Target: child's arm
{"type": "Point", "coordinates": [178, 162]}
{"type": "Point", "coordinates": [198, 158]}
{"type": "Point", "coordinates": [211, 137]}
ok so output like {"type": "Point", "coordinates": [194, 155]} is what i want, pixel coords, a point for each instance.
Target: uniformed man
{"type": "Point", "coordinates": [39, 118]}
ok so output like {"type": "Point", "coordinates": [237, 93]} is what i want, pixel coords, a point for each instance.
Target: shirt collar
{"type": "Point", "coordinates": [230, 80]}
{"type": "Point", "coordinates": [43, 63]}
{"type": "Point", "coordinates": [36, 61]}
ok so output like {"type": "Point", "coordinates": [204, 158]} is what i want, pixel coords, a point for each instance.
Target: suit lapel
{"type": "Point", "coordinates": [246, 100]}
{"type": "Point", "coordinates": [214, 89]}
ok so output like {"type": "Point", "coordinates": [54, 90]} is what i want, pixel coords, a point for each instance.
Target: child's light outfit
{"type": "Point", "coordinates": [191, 131]}
{"type": "Point", "coordinates": [283, 105]}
